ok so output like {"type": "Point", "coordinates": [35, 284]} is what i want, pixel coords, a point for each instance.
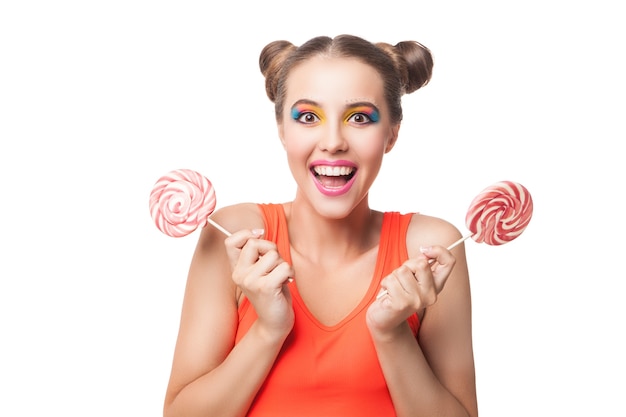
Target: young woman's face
{"type": "Point", "coordinates": [335, 129]}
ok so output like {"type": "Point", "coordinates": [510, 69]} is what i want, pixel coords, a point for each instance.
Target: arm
{"type": "Point", "coordinates": [210, 375]}
{"type": "Point", "coordinates": [434, 377]}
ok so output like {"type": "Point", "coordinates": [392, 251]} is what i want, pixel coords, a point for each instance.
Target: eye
{"type": "Point", "coordinates": [359, 118]}
{"type": "Point", "coordinates": [308, 118]}
{"type": "Point", "coordinates": [362, 114]}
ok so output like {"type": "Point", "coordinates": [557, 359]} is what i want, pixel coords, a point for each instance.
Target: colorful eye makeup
{"type": "Point", "coordinates": [368, 110]}
{"type": "Point", "coordinates": [302, 108]}
{"type": "Point", "coordinates": [315, 113]}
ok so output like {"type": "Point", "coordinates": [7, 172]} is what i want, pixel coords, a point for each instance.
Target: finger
{"type": "Point", "coordinates": [272, 282]}
{"type": "Point", "coordinates": [405, 290]}
{"type": "Point", "coordinates": [280, 275]}
{"type": "Point", "coordinates": [416, 278]}
{"type": "Point", "coordinates": [438, 254]}
{"type": "Point", "coordinates": [399, 282]}
{"type": "Point", "coordinates": [238, 239]}
{"type": "Point", "coordinates": [443, 264]}
{"type": "Point", "coordinates": [268, 258]}
{"type": "Point", "coordinates": [252, 249]}
{"type": "Point", "coordinates": [425, 282]}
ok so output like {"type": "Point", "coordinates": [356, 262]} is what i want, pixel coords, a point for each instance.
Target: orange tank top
{"type": "Point", "coordinates": [321, 370]}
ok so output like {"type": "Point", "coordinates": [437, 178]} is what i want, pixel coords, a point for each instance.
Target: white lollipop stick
{"type": "Point", "coordinates": [457, 243]}
{"type": "Point", "coordinates": [218, 227]}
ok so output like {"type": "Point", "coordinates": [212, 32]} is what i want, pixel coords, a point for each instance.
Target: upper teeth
{"type": "Point", "coordinates": [330, 171]}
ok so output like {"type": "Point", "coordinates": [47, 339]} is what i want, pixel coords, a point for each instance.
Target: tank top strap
{"type": "Point", "coordinates": [393, 240]}
{"type": "Point", "coordinates": [393, 249]}
{"type": "Point", "coordinates": [276, 228]}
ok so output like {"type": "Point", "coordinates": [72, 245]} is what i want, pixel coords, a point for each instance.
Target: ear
{"type": "Point", "coordinates": [392, 138]}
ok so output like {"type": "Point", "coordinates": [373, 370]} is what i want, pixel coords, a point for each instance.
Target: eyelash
{"type": "Point", "coordinates": [367, 117]}
{"type": "Point", "coordinates": [304, 114]}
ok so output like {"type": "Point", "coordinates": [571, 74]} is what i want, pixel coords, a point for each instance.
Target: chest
{"type": "Point", "coordinates": [331, 291]}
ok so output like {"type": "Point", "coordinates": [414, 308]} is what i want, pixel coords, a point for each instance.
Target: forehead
{"type": "Point", "coordinates": [325, 79]}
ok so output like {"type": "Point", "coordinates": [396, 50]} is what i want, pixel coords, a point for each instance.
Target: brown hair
{"type": "Point", "coordinates": [404, 67]}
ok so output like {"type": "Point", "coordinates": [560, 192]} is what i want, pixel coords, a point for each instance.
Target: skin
{"type": "Point", "coordinates": [337, 237]}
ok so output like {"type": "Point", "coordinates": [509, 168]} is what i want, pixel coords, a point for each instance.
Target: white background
{"type": "Point", "coordinates": [99, 99]}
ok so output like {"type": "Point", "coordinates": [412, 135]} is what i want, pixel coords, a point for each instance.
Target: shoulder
{"type": "Point", "coordinates": [428, 230]}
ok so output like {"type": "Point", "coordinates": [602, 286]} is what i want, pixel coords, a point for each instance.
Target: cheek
{"type": "Point", "coordinates": [295, 150]}
{"type": "Point", "coordinates": [298, 140]}
{"type": "Point", "coordinates": [369, 146]}
{"type": "Point", "coordinates": [297, 146]}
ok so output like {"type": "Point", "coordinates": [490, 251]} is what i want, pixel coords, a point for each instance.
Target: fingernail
{"type": "Point", "coordinates": [258, 232]}
{"type": "Point", "coordinates": [425, 249]}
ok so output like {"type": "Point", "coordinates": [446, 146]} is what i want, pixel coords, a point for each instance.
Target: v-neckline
{"type": "Point", "coordinates": [367, 298]}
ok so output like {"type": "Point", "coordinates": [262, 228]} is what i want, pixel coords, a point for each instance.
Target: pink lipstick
{"type": "Point", "coordinates": [333, 178]}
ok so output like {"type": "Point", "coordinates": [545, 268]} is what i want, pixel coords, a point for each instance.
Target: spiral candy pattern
{"type": "Point", "coordinates": [181, 201]}
{"type": "Point", "coordinates": [500, 213]}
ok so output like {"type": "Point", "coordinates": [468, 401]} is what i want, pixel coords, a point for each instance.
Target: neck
{"type": "Point", "coordinates": [324, 239]}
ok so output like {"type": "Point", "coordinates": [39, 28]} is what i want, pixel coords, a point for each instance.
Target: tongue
{"type": "Point", "coordinates": [332, 182]}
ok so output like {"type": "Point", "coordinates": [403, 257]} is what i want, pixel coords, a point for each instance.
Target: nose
{"type": "Point", "coordinates": [333, 139]}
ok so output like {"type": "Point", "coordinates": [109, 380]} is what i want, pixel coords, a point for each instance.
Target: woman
{"type": "Point", "coordinates": [323, 306]}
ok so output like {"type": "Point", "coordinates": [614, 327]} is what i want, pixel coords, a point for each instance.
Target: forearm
{"type": "Point", "coordinates": [414, 388]}
{"type": "Point", "coordinates": [228, 389]}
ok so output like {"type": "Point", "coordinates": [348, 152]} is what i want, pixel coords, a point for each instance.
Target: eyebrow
{"type": "Point", "coordinates": [349, 105]}
{"type": "Point", "coordinates": [363, 104]}
{"type": "Point", "coordinates": [304, 101]}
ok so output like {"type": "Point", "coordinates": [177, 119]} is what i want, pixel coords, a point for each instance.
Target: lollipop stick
{"type": "Point", "coordinates": [218, 227]}
{"type": "Point", "coordinates": [458, 242]}
{"type": "Point", "coordinates": [430, 261]}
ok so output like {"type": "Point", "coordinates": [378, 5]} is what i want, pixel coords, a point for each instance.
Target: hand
{"type": "Point", "coordinates": [411, 288]}
{"type": "Point", "coordinates": [262, 275]}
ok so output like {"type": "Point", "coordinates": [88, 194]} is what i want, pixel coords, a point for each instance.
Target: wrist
{"type": "Point", "coordinates": [271, 335]}
{"type": "Point", "coordinates": [381, 334]}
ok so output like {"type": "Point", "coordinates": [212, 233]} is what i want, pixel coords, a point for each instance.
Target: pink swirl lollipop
{"type": "Point", "coordinates": [497, 215]}
{"type": "Point", "coordinates": [181, 201]}
{"type": "Point", "coordinates": [500, 213]}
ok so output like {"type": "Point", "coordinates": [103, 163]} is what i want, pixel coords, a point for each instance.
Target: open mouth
{"type": "Point", "coordinates": [333, 176]}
